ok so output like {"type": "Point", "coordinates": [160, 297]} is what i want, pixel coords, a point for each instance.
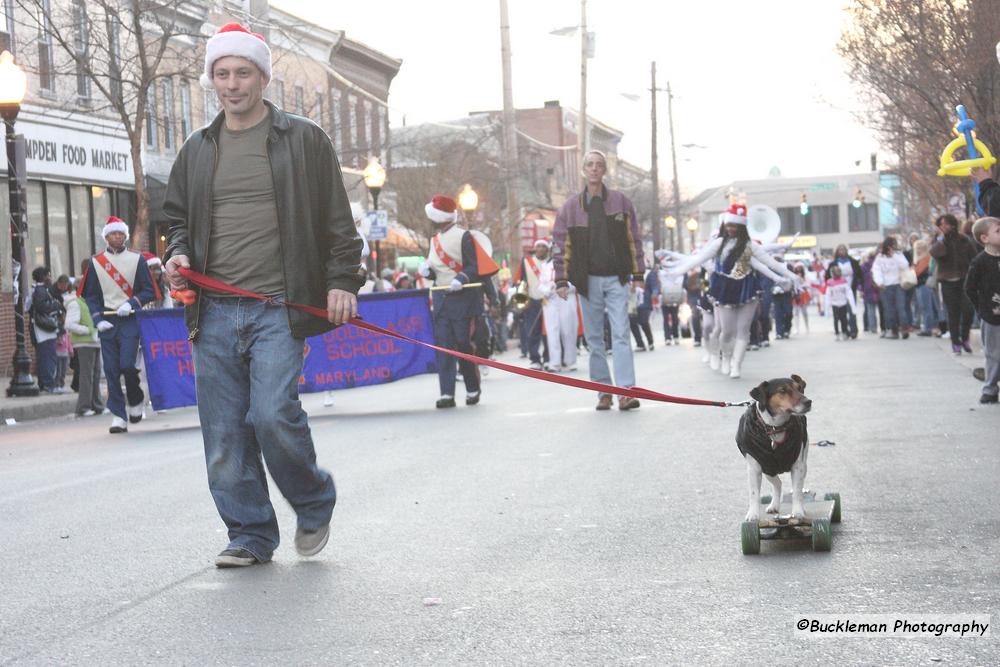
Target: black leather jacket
{"type": "Point", "coordinates": [320, 246]}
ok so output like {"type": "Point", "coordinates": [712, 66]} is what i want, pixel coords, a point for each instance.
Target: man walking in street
{"type": "Point", "coordinates": [117, 284]}
{"type": "Point", "coordinates": [598, 249]}
{"type": "Point", "coordinates": [256, 199]}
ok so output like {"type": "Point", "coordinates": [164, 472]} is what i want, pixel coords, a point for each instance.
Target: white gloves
{"type": "Point", "coordinates": [104, 325]}
{"type": "Point", "coordinates": [424, 269]}
{"type": "Point", "coordinates": [125, 309]}
{"type": "Point", "coordinates": [456, 285]}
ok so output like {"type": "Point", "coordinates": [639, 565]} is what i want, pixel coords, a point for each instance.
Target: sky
{"type": "Point", "coordinates": [757, 82]}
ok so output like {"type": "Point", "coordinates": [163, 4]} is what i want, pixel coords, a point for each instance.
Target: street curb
{"type": "Point", "coordinates": [36, 407]}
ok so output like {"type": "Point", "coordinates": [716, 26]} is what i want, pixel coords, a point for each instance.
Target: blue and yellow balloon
{"type": "Point", "coordinates": [979, 154]}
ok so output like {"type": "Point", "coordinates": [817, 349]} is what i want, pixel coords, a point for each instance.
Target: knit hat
{"type": "Point", "coordinates": [151, 259]}
{"type": "Point", "coordinates": [736, 215]}
{"type": "Point", "coordinates": [234, 39]}
{"type": "Point", "coordinates": [114, 225]}
{"type": "Point", "coordinates": [441, 210]}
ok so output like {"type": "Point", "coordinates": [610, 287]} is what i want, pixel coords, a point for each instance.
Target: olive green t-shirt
{"type": "Point", "coordinates": [245, 249]}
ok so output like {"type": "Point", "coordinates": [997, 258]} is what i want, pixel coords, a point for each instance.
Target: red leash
{"type": "Point", "coordinates": [636, 392]}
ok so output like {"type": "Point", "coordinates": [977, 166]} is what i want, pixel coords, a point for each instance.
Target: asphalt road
{"type": "Point", "coordinates": [527, 530]}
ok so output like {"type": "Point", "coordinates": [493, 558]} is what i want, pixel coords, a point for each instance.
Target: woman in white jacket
{"type": "Point", "coordinates": [886, 271]}
{"type": "Point", "coordinates": [733, 288]}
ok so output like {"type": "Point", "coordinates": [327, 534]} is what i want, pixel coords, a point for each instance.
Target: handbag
{"type": "Point", "coordinates": [907, 278]}
{"type": "Point", "coordinates": [47, 322]}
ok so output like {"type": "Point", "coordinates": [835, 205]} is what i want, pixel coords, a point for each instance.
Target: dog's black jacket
{"type": "Point", "coordinates": [752, 438]}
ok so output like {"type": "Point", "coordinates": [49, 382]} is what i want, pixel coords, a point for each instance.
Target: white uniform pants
{"type": "Point", "coordinates": [561, 326]}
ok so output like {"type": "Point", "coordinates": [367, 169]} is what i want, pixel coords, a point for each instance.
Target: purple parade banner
{"type": "Point", "coordinates": [339, 359]}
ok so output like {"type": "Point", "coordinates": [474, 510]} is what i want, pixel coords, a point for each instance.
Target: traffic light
{"type": "Point", "coordinates": [804, 205]}
{"type": "Point", "coordinates": [859, 199]}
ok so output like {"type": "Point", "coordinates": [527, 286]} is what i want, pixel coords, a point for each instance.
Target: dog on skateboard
{"type": "Point", "coordinates": [773, 439]}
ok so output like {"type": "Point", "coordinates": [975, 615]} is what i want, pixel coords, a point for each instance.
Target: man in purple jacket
{"type": "Point", "coordinates": [599, 250]}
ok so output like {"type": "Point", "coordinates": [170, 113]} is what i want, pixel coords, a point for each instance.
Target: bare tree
{"type": "Point", "coordinates": [115, 51]}
{"type": "Point", "coordinates": [914, 61]}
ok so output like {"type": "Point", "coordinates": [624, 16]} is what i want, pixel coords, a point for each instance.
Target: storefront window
{"type": "Point", "coordinates": [35, 251]}
{"type": "Point", "coordinates": [102, 211]}
{"type": "Point", "coordinates": [60, 260]}
{"type": "Point", "coordinates": [79, 206]}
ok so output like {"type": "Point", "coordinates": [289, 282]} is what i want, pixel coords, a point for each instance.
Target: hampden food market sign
{"type": "Point", "coordinates": [76, 155]}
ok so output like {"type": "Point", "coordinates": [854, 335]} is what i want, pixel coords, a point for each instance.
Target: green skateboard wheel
{"type": "Point", "coordinates": [750, 538]}
{"type": "Point", "coordinates": [822, 535]}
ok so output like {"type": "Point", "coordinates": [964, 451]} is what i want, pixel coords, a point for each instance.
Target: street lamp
{"type": "Point", "coordinates": [13, 85]}
{"type": "Point", "coordinates": [374, 175]}
{"type": "Point", "coordinates": [468, 200]}
{"type": "Point", "coordinates": [671, 223]}
{"type": "Point", "coordinates": [692, 225]}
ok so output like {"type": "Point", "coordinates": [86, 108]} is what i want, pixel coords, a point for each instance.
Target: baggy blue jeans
{"type": "Point", "coordinates": [247, 368]}
{"type": "Point", "coordinates": [607, 293]}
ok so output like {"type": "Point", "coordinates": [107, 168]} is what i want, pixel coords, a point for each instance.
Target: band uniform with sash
{"type": "Point", "coordinates": [456, 258]}
{"type": "Point", "coordinates": [116, 284]}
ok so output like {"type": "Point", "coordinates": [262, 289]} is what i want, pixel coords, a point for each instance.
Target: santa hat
{"type": "Point", "coordinates": [151, 259]}
{"type": "Point", "coordinates": [115, 225]}
{"type": "Point", "coordinates": [544, 242]}
{"type": "Point", "coordinates": [441, 210]}
{"type": "Point", "coordinates": [736, 215]}
{"type": "Point", "coordinates": [233, 39]}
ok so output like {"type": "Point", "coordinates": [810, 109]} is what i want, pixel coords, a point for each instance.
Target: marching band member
{"type": "Point", "coordinates": [531, 273]}
{"type": "Point", "coordinates": [733, 287]}
{"type": "Point", "coordinates": [117, 284]}
{"type": "Point", "coordinates": [455, 260]}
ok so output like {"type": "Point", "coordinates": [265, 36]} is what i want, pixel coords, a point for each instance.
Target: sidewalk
{"type": "Point", "coordinates": [34, 407]}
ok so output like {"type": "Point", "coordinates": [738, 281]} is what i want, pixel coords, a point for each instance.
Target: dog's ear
{"type": "Point", "coordinates": [759, 393]}
{"type": "Point", "coordinates": [800, 382]}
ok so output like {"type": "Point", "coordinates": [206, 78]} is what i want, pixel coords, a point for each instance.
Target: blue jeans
{"type": "Point", "coordinates": [533, 329]}
{"type": "Point", "coordinates": [247, 367]}
{"type": "Point", "coordinates": [45, 358]}
{"type": "Point", "coordinates": [928, 307]}
{"type": "Point", "coordinates": [894, 307]}
{"type": "Point", "coordinates": [782, 313]}
{"type": "Point", "coordinates": [607, 293]}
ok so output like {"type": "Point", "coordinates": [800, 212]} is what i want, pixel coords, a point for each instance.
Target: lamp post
{"type": "Point", "coordinates": [692, 225]}
{"type": "Point", "coordinates": [13, 85]}
{"type": "Point", "coordinates": [374, 175]}
{"type": "Point", "coordinates": [671, 223]}
{"type": "Point", "coordinates": [468, 200]}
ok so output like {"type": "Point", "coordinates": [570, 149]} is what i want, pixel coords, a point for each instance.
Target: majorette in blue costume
{"type": "Point", "coordinates": [733, 286]}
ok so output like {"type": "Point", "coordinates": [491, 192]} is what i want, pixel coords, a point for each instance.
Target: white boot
{"type": "Point", "coordinates": [713, 360]}
{"type": "Point", "coordinates": [724, 367]}
{"type": "Point", "coordinates": [135, 413]}
{"type": "Point", "coordinates": [739, 350]}
{"type": "Point", "coordinates": [118, 425]}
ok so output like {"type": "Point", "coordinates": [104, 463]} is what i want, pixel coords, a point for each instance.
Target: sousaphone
{"type": "Point", "coordinates": [763, 223]}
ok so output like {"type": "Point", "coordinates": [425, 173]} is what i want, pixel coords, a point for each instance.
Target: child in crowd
{"type": "Point", "coordinates": [982, 285]}
{"type": "Point", "coordinates": [840, 295]}
{"type": "Point", "coordinates": [800, 300]}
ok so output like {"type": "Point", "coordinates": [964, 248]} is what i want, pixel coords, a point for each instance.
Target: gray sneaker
{"type": "Point", "coordinates": [311, 542]}
{"type": "Point", "coordinates": [235, 558]}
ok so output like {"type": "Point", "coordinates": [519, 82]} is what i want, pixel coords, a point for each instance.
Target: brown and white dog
{"type": "Point", "coordinates": [773, 439]}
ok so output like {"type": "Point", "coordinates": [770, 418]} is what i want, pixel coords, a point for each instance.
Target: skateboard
{"type": "Point", "coordinates": [816, 525]}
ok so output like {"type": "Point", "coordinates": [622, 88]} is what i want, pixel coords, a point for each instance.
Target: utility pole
{"type": "Point", "coordinates": [654, 173]}
{"type": "Point", "coordinates": [583, 136]}
{"type": "Point", "coordinates": [509, 137]}
{"type": "Point", "coordinates": [673, 157]}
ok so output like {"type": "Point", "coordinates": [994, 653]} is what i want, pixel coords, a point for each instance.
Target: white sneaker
{"type": "Point", "coordinates": [713, 361]}
{"type": "Point", "coordinates": [118, 425]}
{"type": "Point", "coordinates": [135, 413]}
{"type": "Point", "coordinates": [88, 413]}
{"type": "Point", "coordinates": [734, 372]}
{"type": "Point", "coordinates": [328, 399]}
{"type": "Point", "coordinates": [724, 366]}
{"type": "Point", "coordinates": [535, 366]}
